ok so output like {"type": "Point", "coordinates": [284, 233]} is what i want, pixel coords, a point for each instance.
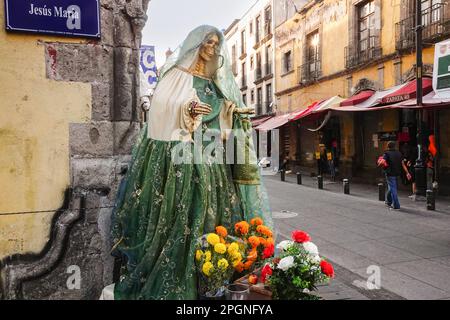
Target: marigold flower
{"type": "Point", "coordinates": [239, 267]}
{"type": "Point", "coordinates": [252, 255]}
{"type": "Point", "coordinates": [220, 248]}
{"type": "Point", "coordinates": [212, 239]}
{"type": "Point", "coordinates": [242, 227]}
{"type": "Point", "coordinates": [256, 221]}
{"type": "Point", "coordinates": [269, 241]}
{"type": "Point", "coordinates": [199, 255]}
{"type": "Point", "coordinates": [222, 231]}
{"type": "Point", "coordinates": [222, 264]}
{"type": "Point", "coordinates": [262, 241]}
{"type": "Point", "coordinates": [236, 256]}
{"type": "Point", "coordinates": [236, 262]}
{"type": "Point", "coordinates": [207, 268]}
{"type": "Point", "coordinates": [264, 230]}
{"type": "Point", "coordinates": [233, 247]}
{"type": "Point", "coordinates": [208, 255]}
{"type": "Point", "coordinates": [248, 264]}
{"type": "Point", "coordinates": [254, 241]}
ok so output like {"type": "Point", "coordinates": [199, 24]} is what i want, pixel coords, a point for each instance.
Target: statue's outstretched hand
{"type": "Point", "coordinates": [245, 110]}
{"type": "Point", "coordinates": [196, 108]}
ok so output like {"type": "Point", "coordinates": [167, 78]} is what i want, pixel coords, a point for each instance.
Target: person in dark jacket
{"type": "Point", "coordinates": [393, 159]}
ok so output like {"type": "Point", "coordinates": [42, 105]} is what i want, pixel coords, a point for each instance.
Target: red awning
{"type": "Point", "coordinates": [304, 112]}
{"type": "Point", "coordinates": [430, 100]}
{"type": "Point", "coordinates": [408, 91]}
{"type": "Point", "coordinates": [274, 122]}
{"type": "Point", "coordinates": [256, 122]}
{"type": "Point", "coordinates": [358, 98]}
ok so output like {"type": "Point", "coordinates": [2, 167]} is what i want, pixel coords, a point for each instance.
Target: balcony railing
{"type": "Point", "coordinates": [362, 52]}
{"type": "Point", "coordinates": [258, 73]}
{"type": "Point", "coordinates": [436, 25]}
{"type": "Point", "coordinates": [310, 71]}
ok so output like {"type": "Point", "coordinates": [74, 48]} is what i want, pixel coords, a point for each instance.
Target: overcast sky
{"type": "Point", "coordinates": [169, 21]}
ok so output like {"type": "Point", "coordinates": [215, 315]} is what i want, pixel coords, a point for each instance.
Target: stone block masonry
{"type": "Point", "coordinates": [99, 153]}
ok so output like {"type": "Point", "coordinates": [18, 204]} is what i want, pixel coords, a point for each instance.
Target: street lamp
{"type": "Point", "coordinates": [420, 169]}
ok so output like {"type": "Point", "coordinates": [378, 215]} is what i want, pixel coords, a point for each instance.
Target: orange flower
{"type": "Point", "coordinates": [254, 241]}
{"type": "Point", "coordinates": [256, 222]}
{"type": "Point", "coordinates": [264, 230]}
{"type": "Point", "coordinates": [252, 255]}
{"type": "Point", "coordinates": [240, 267]}
{"type": "Point", "coordinates": [262, 241]}
{"type": "Point", "coordinates": [221, 231]}
{"type": "Point", "coordinates": [269, 241]}
{"type": "Point", "coordinates": [242, 227]}
{"type": "Point", "coordinates": [248, 264]}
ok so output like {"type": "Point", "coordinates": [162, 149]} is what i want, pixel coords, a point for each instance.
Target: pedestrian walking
{"type": "Point", "coordinates": [392, 171]}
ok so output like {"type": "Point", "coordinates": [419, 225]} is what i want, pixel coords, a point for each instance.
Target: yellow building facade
{"type": "Point", "coordinates": [34, 139]}
{"type": "Point", "coordinates": [331, 47]}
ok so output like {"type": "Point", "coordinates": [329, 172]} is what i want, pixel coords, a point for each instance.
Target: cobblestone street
{"type": "Point", "coordinates": [411, 246]}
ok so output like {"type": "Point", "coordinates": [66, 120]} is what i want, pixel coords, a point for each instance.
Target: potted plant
{"type": "Point", "coordinates": [296, 271]}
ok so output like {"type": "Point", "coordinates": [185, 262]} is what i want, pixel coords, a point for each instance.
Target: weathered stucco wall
{"type": "Point", "coordinates": [34, 139]}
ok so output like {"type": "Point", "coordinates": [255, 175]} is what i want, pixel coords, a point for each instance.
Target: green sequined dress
{"type": "Point", "coordinates": [163, 207]}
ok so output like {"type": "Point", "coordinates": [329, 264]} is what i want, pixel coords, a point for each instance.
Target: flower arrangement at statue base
{"type": "Point", "coordinates": [222, 258]}
{"type": "Point", "coordinates": [216, 259]}
{"type": "Point", "coordinates": [296, 271]}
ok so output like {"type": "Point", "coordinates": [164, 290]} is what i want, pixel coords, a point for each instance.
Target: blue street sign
{"type": "Point", "coordinates": [148, 66]}
{"type": "Point", "coordinates": [78, 18]}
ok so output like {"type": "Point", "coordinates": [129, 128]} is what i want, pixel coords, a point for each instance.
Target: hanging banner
{"type": "Point", "coordinates": [75, 18]}
{"type": "Point", "coordinates": [148, 70]}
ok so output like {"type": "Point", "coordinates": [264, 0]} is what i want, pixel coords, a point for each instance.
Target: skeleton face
{"type": "Point", "coordinates": [209, 48]}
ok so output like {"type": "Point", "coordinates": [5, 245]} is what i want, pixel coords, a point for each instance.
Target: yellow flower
{"type": "Point", "coordinates": [222, 263]}
{"type": "Point", "coordinates": [220, 248]}
{"type": "Point", "coordinates": [207, 268]}
{"type": "Point", "coordinates": [208, 256]}
{"type": "Point", "coordinates": [236, 263]}
{"type": "Point", "coordinates": [233, 248]}
{"type": "Point", "coordinates": [236, 255]}
{"type": "Point", "coordinates": [212, 239]}
{"type": "Point", "coordinates": [198, 255]}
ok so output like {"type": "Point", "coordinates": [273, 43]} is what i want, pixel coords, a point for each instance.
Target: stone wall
{"type": "Point", "coordinates": [99, 154]}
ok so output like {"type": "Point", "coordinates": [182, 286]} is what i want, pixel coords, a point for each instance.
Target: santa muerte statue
{"type": "Point", "coordinates": [181, 183]}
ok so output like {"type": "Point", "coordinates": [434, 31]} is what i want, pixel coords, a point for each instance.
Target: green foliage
{"type": "Point", "coordinates": [297, 282]}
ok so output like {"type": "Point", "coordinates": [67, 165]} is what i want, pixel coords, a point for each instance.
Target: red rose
{"type": "Point", "coordinates": [268, 251]}
{"type": "Point", "coordinates": [327, 268]}
{"type": "Point", "coordinates": [300, 236]}
{"type": "Point", "coordinates": [266, 271]}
